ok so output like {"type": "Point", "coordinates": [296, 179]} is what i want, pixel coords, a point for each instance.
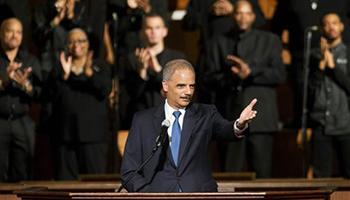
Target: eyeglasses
{"type": "Point", "coordinates": [80, 41]}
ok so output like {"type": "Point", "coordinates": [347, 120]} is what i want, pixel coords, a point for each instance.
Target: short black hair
{"type": "Point", "coordinates": [329, 13]}
{"type": "Point", "coordinates": [155, 14]}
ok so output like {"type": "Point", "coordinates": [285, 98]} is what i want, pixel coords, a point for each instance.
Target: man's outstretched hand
{"type": "Point", "coordinates": [247, 115]}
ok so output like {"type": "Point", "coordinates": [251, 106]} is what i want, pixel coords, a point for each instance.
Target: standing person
{"type": "Point", "coordinates": [296, 17]}
{"type": "Point", "coordinates": [329, 105]}
{"type": "Point", "coordinates": [52, 20]}
{"type": "Point", "coordinates": [184, 166]}
{"type": "Point", "coordinates": [126, 19]}
{"type": "Point", "coordinates": [79, 88]}
{"type": "Point", "coordinates": [145, 66]}
{"type": "Point", "coordinates": [244, 64]}
{"type": "Point", "coordinates": [19, 84]}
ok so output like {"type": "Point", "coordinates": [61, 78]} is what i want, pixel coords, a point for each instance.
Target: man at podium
{"type": "Point", "coordinates": [181, 163]}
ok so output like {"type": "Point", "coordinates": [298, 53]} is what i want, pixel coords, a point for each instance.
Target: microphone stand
{"type": "Point", "coordinates": [115, 42]}
{"type": "Point", "coordinates": [159, 142]}
{"type": "Point", "coordinates": [307, 50]}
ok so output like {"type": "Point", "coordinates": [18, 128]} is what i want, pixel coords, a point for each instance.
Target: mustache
{"type": "Point", "coordinates": [187, 97]}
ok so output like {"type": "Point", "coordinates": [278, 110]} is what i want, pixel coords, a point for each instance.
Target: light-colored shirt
{"type": "Point", "coordinates": [169, 116]}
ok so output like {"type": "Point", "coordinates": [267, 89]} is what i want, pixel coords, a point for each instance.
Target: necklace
{"type": "Point", "coordinates": [77, 70]}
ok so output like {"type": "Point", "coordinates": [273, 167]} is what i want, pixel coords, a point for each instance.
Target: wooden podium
{"type": "Point", "coordinates": [56, 195]}
{"type": "Point", "coordinates": [248, 189]}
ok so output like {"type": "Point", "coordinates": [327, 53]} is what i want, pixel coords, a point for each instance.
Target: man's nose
{"type": "Point", "coordinates": [188, 90]}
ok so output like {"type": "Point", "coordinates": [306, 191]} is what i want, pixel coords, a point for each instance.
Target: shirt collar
{"type": "Point", "coordinates": [169, 110]}
{"type": "Point", "coordinates": [243, 34]}
{"type": "Point", "coordinates": [338, 47]}
{"type": "Point", "coordinates": [18, 58]}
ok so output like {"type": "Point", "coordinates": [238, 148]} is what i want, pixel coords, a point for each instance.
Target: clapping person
{"type": "Point", "coordinates": [79, 87]}
{"type": "Point", "coordinates": [328, 100]}
{"type": "Point", "coordinates": [19, 85]}
{"type": "Point", "coordinates": [145, 65]}
{"type": "Point", "coordinates": [244, 64]}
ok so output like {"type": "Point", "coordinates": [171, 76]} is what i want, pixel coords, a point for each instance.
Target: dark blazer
{"type": "Point", "coordinates": [80, 105]}
{"type": "Point", "coordinates": [202, 123]}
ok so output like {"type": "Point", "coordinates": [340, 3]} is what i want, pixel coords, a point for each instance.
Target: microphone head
{"type": "Point", "coordinates": [166, 123]}
{"type": "Point", "coordinates": [313, 28]}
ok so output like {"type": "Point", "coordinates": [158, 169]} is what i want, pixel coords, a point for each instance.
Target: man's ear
{"type": "Point", "coordinates": [165, 86]}
{"type": "Point", "coordinates": [254, 17]}
{"type": "Point", "coordinates": [165, 32]}
{"type": "Point", "coordinates": [341, 27]}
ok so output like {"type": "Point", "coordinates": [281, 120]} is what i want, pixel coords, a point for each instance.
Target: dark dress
{"type": "Point", "coordinates": [81, 128]}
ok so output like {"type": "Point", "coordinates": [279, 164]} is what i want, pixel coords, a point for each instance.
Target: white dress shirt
{"type": "Point", "coordinates": [169, 116]}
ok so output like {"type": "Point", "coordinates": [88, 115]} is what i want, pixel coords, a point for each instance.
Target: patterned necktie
{"type": "Point", "coordinates": [175, 137]}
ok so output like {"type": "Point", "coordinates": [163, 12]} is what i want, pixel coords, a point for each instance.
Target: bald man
{"type": "Point", "coordinates": [79, 88]}
{"type": "Point", "coordinates": [244, 64]}
{"type": "Point", "coordinates": [19, 80]}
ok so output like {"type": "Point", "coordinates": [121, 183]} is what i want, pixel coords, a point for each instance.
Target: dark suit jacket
{"type": "Point", "coordinates": [202, 123]}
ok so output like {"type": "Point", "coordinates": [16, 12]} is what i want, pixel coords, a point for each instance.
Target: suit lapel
{"type": "Point", "coordinates": [187, 131]}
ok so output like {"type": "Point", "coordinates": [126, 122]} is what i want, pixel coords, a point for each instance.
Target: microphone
{"type": "Point", "coordinates": [163, 133]}
{"type": "Point", "coordinates": [159, 142]}
{"type": "Point", "coordinates": [312, 28]}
